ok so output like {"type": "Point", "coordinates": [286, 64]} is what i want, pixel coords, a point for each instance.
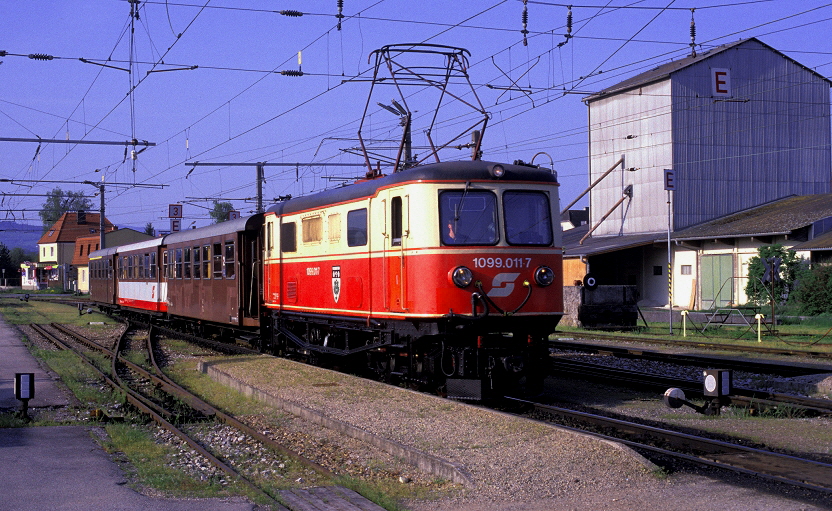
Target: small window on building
{"type": "Point", "coordinates": [217, 260]}
{"type": "Point", "coordinates": [51, 251]}
{"type": "Point", "coordinates": [229, 259]}
{"type": "Point", "coordinates": [312, 229]}
{"type": "Point", "coordinates": [686, 269]}
{"type": "Point", "coordinates": [357, 228]}
{"type": "Point", "coordinates": [288, 237]}
{"type": "Point", "coordinates": [657, 270]}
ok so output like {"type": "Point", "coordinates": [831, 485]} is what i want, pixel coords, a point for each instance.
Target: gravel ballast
{"type": "Point", "coordinates": [511, 463]}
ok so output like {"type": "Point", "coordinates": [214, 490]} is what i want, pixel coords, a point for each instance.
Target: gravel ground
{"type": "Point", "coordinates": [515, 464]}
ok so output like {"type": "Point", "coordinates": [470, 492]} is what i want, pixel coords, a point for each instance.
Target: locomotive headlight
{"type": "Point", "coordinates": [462, 276]}
{"type": "Point", "coordinates": [497, 171]}
{"type": "Point", "coordinates": [544, 276]}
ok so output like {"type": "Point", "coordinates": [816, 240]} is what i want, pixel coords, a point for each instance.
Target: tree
{"type": "Point", "coordinates": [59, 202]}
{"type": "Point", "coordinates": [791, 269]}
{"type": "Point", "coordinates": [149, 230]}
{"type": "Point", "coordinates": [220, 211]}
{"type": "Point", "coordinates": [6, 266]}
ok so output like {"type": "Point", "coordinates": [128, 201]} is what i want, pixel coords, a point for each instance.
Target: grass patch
{"type": "Point", "coordinates": [44, 312]}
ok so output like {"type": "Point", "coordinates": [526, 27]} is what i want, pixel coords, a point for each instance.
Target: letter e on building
{"type": "Point", "coordinates": [721, 82]}
{"type": "Point", "coordinates": [669, 179]}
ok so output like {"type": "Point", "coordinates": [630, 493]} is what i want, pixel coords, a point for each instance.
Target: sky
{"type": "Point", "coordinates": [200, 81]}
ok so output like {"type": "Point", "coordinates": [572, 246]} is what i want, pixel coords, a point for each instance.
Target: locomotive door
{"type": "Point", "coordinates": [396, 233]}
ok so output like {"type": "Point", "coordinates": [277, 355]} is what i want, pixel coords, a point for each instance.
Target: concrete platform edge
{"type": "Point", "coordinates": [424, 461]}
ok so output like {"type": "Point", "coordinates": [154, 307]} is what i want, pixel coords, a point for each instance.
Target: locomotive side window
{"type": "Point", "coordinates": [468, 217]}
{"type": "Point", "coordinates": [311, 229]}
{"type": "Point", "coordinates": [206, 261]}
{"type": "Point", "coordinates": [396, 221]}
{"type": "Point", "coordinates": [229, 259]}
{"type": "Point", "coordinates": [357, 227]}
{"type": "Point", "coordinates": [528, 221]}
{"type": "Point", "coordinates": [334, 226]}
{"type": "Point", "coordinates": [197, 263]}
{"type": "Point", "coordinates": [288, 237]}
{"type": "Point", "coordinates": [217, 260]}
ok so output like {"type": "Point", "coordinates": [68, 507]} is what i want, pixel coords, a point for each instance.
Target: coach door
{"type": "Point", "coordinates": [396, 233]}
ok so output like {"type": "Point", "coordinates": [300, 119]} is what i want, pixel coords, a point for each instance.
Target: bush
{"type": "Point", "coordinates": [814, 295]}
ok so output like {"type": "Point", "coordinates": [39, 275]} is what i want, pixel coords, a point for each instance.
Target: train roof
{"type": "Point", "coordinates": [459, 171]}
{"type": "Point", "coordinates": [250, 223]}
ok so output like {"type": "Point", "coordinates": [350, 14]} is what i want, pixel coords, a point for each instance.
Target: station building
{"type": "Point", "coordinates": [722, 152]}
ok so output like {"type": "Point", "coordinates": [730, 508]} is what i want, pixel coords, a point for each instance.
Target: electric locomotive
{"type": "Point", "coordinates": [445, 275]}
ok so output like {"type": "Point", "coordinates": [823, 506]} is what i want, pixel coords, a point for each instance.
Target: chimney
{"type": "Point", "coordinates": [82, 217]}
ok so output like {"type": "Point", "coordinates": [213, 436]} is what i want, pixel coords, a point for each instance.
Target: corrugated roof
{"type": "Point", "coordinates": [663, 71]}
{"type": "Point", "coordinates": [67, 229]}
{"type": "Point", "coordinates": [601, 244]}
{"type": "Point", "coordinates": [822, 242]}
{"type": "Point", "coordinates": [779, 217]}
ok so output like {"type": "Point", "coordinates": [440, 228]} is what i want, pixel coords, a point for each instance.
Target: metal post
{"type": "Point", "coordinates": [260, 187]}
{"type": "Point", "coordinates": [101, 245]}
{"type": "Point", "coordinates": [669, 270]}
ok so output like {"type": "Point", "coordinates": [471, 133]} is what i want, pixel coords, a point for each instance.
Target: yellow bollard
{"type": "Point", "coordinates": [684, 325]}
{"type": "Point", "coordinates": [758, 317]}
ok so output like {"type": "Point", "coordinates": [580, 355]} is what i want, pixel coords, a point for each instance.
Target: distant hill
{"type": "Point", "coordinates": [25, 236]}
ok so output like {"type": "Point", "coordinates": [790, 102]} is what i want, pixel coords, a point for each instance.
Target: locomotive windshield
{"type": "Point", "coordinates": [528, 221]}
{"type": "Point", "coordinates": [468, 217]}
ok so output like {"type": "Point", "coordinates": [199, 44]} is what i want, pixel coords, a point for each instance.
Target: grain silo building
{"type": "Point", "coordinates": [740, 125]}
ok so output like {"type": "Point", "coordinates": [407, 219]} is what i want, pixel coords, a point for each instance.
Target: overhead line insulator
{"type": "Point", "coordinates": [291, 72]}
{"type": "Point", "coordinates": [40, 56]}
{"type": "Point", "coordinates": [340, 14]}
{"type": "Point", "coordinates": [291, 14]}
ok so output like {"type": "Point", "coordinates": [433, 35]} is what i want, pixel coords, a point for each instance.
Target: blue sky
{"type": "Point", "coordinates": [235, 107]}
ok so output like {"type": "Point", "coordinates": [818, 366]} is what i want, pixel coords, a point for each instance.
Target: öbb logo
{"type": "Point", "coordinates": [503, 284]}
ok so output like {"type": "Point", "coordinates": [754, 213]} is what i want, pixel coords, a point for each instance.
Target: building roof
{"type": "Point", "coordinates": [67, 229]}
{"type": "Point", "coordinates": [602, 244]}
{"type": "Point", "coordinates": [822, 242]}
{"type": "Point", "coordinates": [778, 217]}
{"type": "Point", "coordinates": [665, 70]}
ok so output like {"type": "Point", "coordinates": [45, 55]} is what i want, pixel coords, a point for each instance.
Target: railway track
{"type": "Point", "coordinates": [791, 470]}
{"type": "Point", "coordinates": [562, 338]}
{"type": "Point", "coordinates": [739, 397]}
{"type": "Point", "coordinates": [179, 412]}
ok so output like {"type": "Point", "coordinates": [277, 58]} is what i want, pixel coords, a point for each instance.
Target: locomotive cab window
{"type": "Point", "coordinates": [528, 219]}
{"type": "Point", "coordinates": [288, 237]}
{"type": "Point", "coordinates": [396, 221]}
{"type": "Point", "coordinates": [357, 228]}
{"type": "Point", "coordinates": [468, 217]}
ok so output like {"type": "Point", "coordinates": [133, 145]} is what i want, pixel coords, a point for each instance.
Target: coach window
{"type": "Point", "coordinates": [197, 263]}
{"type": "Point", "coordinates": [152, 265]}
{"type": "Point", "coordinates": [206, 261]}
{"type": "Point", "coordinates": [109, 270]}
{"type": "Point", "coordinates": [178, 267]}
{"type": "Point", "coordinates": [216, 260]}
{"type": "Point", "coordinates": [288, 237]}
{"type": "Point", "coordinates": [140, 266]}
{"type": "Point", "coordinates": [130, 268]}
{"type": "Point", "coordinates": [396, 221]}
{"type": "Point", "coordinates": [229, 259]}
{"type": "Point", "coordinates": [186, 256]}
{"type": "Point", "coordinates": [357, 228]}
{"type": "Point", "coordinates": [165, 265]}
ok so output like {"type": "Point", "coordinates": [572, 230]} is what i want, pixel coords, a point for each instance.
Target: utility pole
{"type": "Point", "coordinates": [260, 166]}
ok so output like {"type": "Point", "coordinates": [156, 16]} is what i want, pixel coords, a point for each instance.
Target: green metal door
{"type": "Point", "coordinates": [717, 285]}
